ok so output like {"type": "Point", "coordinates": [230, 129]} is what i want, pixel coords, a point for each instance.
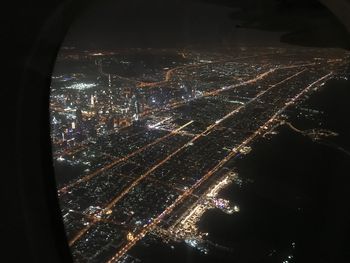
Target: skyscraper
{"type": "Point", "coordinates": [137, 110]}
{"type": "Point", "coordinates": [92, 101]}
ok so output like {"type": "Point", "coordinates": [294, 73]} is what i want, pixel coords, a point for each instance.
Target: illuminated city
{"type": "Point", "coordinates": [151, 136]}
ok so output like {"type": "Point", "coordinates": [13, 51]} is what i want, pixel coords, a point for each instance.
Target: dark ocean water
{"type": "Point", "coordinates": [295, 199]}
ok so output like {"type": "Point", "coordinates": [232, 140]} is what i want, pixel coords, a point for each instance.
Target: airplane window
{"type": "Point", "coordinates": [199, 131]}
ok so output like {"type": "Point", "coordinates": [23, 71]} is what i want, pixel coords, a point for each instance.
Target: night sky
{"type": "Point", "coordinates": [181, 23]}
{"type": "Point", "coordinates": [159, 23]}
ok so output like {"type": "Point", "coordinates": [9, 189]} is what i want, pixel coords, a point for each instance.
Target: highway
{"type": "Point", "coordinates": [169, 73]}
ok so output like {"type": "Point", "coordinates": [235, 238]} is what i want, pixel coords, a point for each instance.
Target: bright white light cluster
{"type": "Point", "coordinates": [81, 86]}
